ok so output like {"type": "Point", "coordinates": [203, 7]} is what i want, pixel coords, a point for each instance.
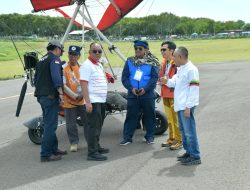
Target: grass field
{"type": "Point", "coordinates": [201, 51]}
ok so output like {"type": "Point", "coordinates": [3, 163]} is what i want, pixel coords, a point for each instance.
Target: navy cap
{"type": "Point", "coordinates": [141, 43]}
{"type": "Point", "coordinates": [75, 49]}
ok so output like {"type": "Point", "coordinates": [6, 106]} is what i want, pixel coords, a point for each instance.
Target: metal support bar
{"type": "Point", "coordinates": [110, 66]}
{"type": "Point", "coordinates": [70, 24]}
{"type": "Point", "coordinates": [116, 50]}
{"type": "Point", "coordinates": [83, 47]}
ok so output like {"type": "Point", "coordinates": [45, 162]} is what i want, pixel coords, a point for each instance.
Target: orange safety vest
{"type": "Point", "coordinates": [167, 92]}
{"type": "Point", "coordinates": [72, 79]}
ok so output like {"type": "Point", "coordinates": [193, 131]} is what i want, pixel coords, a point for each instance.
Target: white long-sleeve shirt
{"type": "Point", "coordinates": [186, 87]}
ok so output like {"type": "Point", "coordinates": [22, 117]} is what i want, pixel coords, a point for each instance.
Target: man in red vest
{"type": "Point", "coordinates": [174, 141]}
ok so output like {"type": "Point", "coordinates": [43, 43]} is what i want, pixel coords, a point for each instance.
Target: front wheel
{"type": "Point", "coordinates": [36, 134]}
{"type": "Point", "coordinates": [161, 123]}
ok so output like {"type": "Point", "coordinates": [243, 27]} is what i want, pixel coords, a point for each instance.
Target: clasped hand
{"type": "Point", "coordinates": [163, 80]}
{"type": "Point", "coordinates": [137, 92]}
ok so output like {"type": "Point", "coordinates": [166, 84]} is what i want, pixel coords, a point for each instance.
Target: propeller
{"type": "Point", "coordinates": [21, 98]}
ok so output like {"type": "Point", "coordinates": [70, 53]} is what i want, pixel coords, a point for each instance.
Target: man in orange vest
{"type": "Point", "coordinates": [174, 141]}
{"type": "Point", "coordinates": [73, 98]}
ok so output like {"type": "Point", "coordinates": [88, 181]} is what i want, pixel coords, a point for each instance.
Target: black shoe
{"type": "Point", "coordinates": [191, 161]}
{"type": "Point", "coordinates": [51, 158]}
{"type": "Point", "coordinates": [182, 157]}
{"type": "Point", "coordinates": [60, 152]}
{"type": "Point", "coordinates": [97, 157]}
{"type": "Point", "coordinates": [103, 150]}
{"type": "Point", "coordinates": [125, 142]}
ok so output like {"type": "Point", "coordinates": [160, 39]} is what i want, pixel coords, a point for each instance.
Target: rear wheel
{"type": "Point", "coordinates": [36, 134]}
{"type": "Point", "coordinates": [161, 123]}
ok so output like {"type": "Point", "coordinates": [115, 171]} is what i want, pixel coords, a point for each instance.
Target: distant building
{"type": "Point", "coordinates": [233, 33]}
{"type": "Point", "coordinates": [76, 34]}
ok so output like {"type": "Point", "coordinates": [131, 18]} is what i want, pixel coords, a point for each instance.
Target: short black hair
{"type": "Point", "coordinates": [171, 45]}
{"type": "Point", "coordinates": [51, 47]}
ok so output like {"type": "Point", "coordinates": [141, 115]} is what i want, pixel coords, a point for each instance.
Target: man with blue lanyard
{"type": "Point", "coordinates": [139, 77]}
{"type": "Point", "coordinates": [49, 93]}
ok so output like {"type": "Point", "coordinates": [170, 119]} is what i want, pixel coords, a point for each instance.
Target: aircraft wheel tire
{"type": "Point", "coordinates": [161, 123]}
{"type": "Point", "coordinates": [35, 135]}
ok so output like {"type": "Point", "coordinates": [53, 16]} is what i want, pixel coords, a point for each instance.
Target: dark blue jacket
{"type": "Point", "coordinates": [148, 80]}
{"type": "Point", "coordinates": [48, 75]}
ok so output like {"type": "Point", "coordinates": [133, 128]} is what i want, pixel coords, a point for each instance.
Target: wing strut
{"type": "Point", "coordinates": [99, 33]}
{"type": "Point", "coordinates": [110, 66]}
{"type": "Point", "coordinates": [70, 24]}
{"type": "Point", "coordinates": [111, 46]}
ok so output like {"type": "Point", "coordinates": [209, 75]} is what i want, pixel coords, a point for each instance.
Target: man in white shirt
{"type": "Point", "coordinates": [94, 86]}
{"type": "Point", "coordinates": [186, 98]}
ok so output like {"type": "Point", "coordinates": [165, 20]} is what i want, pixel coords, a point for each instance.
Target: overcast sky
{"type": "Point", "coordinates": [219, 10]}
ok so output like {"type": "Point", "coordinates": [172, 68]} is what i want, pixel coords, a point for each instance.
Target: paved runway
{"type": "Point", "coordinates": [223, 119]}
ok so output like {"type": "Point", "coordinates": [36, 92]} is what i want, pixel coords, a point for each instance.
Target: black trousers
{"type": "Point", "coordinates": [94, 127]}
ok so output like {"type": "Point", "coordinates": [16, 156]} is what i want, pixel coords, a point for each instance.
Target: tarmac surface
{"type": "Point", "coordinates": [223, 121]}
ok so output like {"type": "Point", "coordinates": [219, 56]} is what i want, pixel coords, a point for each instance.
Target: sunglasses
{"type": "Point", "coordinates": [164, 49]}
{"type": "Point", "coordinates": [97, 51]}
{"type": "Point", "coordinates": [139, 48]}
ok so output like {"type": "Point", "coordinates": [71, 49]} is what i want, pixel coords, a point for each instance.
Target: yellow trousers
{"type": "Point", "coordinates": [174, 132]}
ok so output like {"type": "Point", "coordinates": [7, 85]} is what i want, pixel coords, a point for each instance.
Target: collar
{"type": "Point", "coordinates": [52, 54]}
{"type": "Point", "coordinates": [71, 66]}
{"type": "Point", "coordinates": [165, 61]}
{"type": "Point", "coordinates": [171, 61]}
{"type": "Point", "coordinates": [93, 61]}
{"type": "Point", "coordinates": [186, 64]}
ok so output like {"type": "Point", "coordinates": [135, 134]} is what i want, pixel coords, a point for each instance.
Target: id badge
{"type": "Point", "coordinates": [138, 75]}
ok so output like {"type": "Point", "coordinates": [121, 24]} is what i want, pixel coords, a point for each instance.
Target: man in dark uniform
{"type": "Point", "coordinates": [139, 77]}
{"type": "Point", "coordinates": [49, 93]}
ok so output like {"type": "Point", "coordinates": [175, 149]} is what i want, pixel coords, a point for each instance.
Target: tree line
{"type": "Point", "coordinates": [163, 24]}
{"type": "Point", "coordinates": [26, 25]}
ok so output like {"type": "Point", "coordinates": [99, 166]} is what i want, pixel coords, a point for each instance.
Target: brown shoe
{"type": "Point", "coordinates": [176, 145]}
{"type": "Point", "coordinates": [51, 158]}
{"type": "Point", "coordinates": [167, 143]}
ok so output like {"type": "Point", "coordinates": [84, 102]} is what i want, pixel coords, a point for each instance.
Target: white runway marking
{"type": "Point", "coordinates": [9, 97]}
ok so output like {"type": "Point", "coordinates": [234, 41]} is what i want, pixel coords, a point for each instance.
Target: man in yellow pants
{"type": "Point", "coordinates": [174, 141]}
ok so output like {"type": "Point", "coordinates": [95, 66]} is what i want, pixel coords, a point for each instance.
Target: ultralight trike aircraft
{"type": "Point", "coordinates": [109, 12]}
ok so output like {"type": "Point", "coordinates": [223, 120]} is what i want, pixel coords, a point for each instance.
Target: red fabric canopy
{"type": "Point", "coordinates": [42, 5]}
{"type": "Point", "coordinates": [111, 16]}
{"type": "Point", "coordinates": [108, 13]}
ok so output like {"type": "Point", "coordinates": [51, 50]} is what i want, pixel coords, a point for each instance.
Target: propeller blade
{"type": "Point", "coordinates": [21, 98]}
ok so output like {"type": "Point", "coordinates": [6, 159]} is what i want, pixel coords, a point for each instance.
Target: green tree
{"type": "Point", "coordinates": [246, 27]}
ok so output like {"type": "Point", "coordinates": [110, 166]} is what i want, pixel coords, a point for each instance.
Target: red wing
{"type": "Point", "coordinates": [111, 16]}
{"type": "Point", "coordinates": [104, 13]}
{"type": "Point", "coordinates": [43, 5]}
